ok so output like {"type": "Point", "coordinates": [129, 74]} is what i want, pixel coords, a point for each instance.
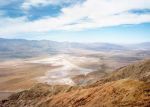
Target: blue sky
{"type": "Point", "coordinates": [115, 21]}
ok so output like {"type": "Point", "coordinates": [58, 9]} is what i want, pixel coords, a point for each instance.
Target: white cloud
{"type": "Point", "coordinates": [90, 14]}
{"type": "Point", "coordinates": [37, 3]}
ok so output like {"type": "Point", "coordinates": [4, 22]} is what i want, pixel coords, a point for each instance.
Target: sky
{"type": "Point", "coordinates": [114, 21]}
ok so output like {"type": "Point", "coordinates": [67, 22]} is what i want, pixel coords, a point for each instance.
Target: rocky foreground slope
{"type": "Point", "coordinates": [126, 87]}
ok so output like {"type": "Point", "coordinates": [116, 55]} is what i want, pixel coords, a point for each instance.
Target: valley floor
{"type": "Point", "coordinates": [125, 87]}
{"type": "Point", "coordinates": [61, 69]}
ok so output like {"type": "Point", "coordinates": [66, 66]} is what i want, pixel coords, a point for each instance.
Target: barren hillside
{"type": "Point", "coordinates": [126, 87]}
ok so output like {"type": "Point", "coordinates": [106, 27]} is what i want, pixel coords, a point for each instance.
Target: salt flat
{"type": "Point", "coordinates": [70, 69]}
{"type": "Point", "coordinates": [65, 70]}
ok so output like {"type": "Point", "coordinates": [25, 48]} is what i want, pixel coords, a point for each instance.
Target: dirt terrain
{"type": "Point", "coordinates": [20, 75]}
{"type": "Point", "coordinates": [12, 72]}
{"type": "Point", "coordinates": [107, 92]}
{"type": "Point", "coordinates": [60, 69]}
{"type": "Point", "coordinates": [16, 76]}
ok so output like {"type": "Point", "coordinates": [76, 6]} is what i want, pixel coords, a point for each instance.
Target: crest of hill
{"type": "Point", "coordinates": [139, 71]}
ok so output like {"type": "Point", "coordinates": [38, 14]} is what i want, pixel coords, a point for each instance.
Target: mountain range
{"type": "Point", "coordinates": [20, 48]}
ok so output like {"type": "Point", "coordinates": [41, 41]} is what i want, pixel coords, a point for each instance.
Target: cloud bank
{"type": "Point", "coordinates": [37, 3]}
{"type": "Point", "coordinates": [89, 14]}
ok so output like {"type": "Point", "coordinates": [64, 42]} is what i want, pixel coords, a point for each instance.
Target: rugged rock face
{"type": "Point", "coordinates": [126, 87]}
{"type": "Point", "coordinates": [113, 94]}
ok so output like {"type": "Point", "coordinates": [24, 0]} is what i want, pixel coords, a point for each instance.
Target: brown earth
{"type": "Point", "coordinates": [126, 87]}
{"type": "Point", "coordinates": [138, 71]}
{"type": "Point", "coordinates": [16, 75]}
